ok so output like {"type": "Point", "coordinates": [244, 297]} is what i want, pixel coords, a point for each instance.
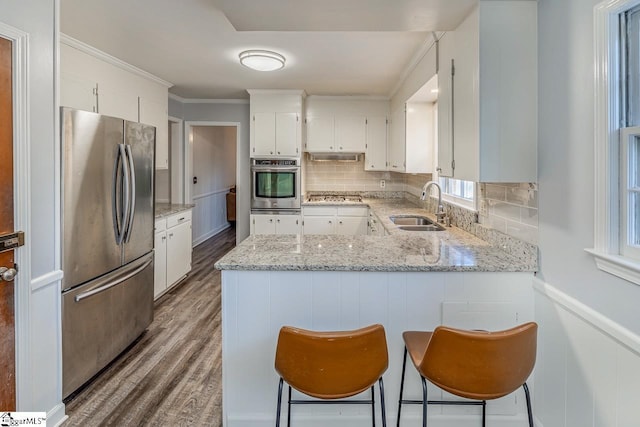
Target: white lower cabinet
{"type": "Point", "coordinates": [173, 246]}
{"type": "Point", "coordinates": [345, 220]}
{"type": "Point", "coordinates": [275, 224]}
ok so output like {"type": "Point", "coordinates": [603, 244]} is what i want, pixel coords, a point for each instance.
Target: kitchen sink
{"type": "Point", "coordinates": [415, 223]}
{"type": "Point", "coordinates": [430, 227]}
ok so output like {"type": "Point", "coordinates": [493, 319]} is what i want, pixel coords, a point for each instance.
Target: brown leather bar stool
{"type": "Point", "coordinates": [332, 366]}
{"type": "Point", "coordinates": [476, 365]}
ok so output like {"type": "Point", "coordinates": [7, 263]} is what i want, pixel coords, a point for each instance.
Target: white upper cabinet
{"type": "Point", "coordinates": [487, 105]}
{"type": "Point", "coordinates": [276, 123]}
{"type": "Point", "coordinates": [77, 92]}
{"type": "Point", "coordinates": [338, 124]}
{"type": "Point", "coordinates": [336, 133]}
{"type": "Point", "coordinates": [375, 153]}
{"type": "Point", "coordinates": [397, 140]}
{"type": "Point", "coordinates": [94, 81]}
{"type": "Point", "coordinates": [155, 114]}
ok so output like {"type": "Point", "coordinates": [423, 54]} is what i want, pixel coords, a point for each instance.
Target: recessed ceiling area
{"type": "Point", "coordinates": [332, 47]}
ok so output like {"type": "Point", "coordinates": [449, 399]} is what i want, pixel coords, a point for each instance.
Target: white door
{"type": "Point", "coordinates": [375, 157]}
{"type": "Point", "coordinates": [178, 252]}
{"type": "Point", "coordinates": [320, 134]}
{"type": "Point", "coordinates": [287, 141]}
{"type": "Point", "coordinates": [288, 224]}
{"type": "Point", "coordinates": [352, 225]}
{"type": "Point", "coordinates": [264, 134]}
{"type": "Point", "coordinates": [160, 263]}
{"type": "Point", "coordinates": [319, 225]}
{"type": "Point", "coordinates": [350, 133]}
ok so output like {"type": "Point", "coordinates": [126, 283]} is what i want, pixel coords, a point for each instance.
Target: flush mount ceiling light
{"type": "Point", "coordinates": [262, 60]}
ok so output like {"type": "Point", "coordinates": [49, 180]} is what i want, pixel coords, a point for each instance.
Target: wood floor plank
{"type": "Point", "coordinates": [173, 374]}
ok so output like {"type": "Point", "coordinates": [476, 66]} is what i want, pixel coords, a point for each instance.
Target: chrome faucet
{"type": "Point", "coordinates": [440, 212]}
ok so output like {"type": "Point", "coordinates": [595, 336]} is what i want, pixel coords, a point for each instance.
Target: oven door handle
{"type": "Point", "coordinates": [271, 169]}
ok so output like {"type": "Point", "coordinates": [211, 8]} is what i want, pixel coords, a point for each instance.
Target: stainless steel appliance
{"type": "Point", "coordinates": [275, 185]}
{"type": "Point", "coordinates": [107, 229]}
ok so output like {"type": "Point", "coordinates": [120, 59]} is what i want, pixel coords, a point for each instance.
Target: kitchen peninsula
{"type": "Point", "coordinates": [403, 280]}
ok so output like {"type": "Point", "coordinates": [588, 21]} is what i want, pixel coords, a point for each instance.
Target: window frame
{"type": "Point", "coordinates": [608, 121]}
{"type": "Point", "coordinates": [458, 200]}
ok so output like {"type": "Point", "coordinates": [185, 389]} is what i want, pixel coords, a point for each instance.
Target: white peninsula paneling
{"type": "Point", "coordinates": [255, 304]}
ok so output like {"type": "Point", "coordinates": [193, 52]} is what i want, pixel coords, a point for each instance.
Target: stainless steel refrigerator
{"type": "Point", "coordinates": [107, 233]}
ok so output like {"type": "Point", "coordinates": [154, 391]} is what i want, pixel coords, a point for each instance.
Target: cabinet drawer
{"type": "Point", "coordinates": [160, 225]}
{"type": "Point", "coordinates": [178, 218]}
{"type": "Point", "coordinates": [319, 210]}
{"type": "Point", "coordinates": [353, 211]}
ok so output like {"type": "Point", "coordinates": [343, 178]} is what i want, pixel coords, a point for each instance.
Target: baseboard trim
{"type": "Point", "coordinates": [616, 331]}
{"type": "Point", "coordinates": [210, 234]}
{"type": "Point", "coordinates": [56, 415]}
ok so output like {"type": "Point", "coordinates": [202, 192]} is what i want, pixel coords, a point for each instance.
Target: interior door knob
{"type": "Point", "coordinates": [8, 274]}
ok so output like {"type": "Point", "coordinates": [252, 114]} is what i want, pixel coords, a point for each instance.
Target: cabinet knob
{"type": "Point", "coordinates": [278, 219]}
{"type": "Point", "coordinates": [341, 147]}
{"type": "Point", "coordinates": [330, 222]}
{"type": "Point", "coordinates": [164, 238]}
{"type": "Point", "coordinates": [340, 222]}
{"type": "Point", "coordinates": [271, 220]}
{"type": "Point", "coordinates": [270, 152]}
{"type": "Point", "coordinates": [171, 235]}
{"type": "Point", "coordinates": [330, 147]}
{"type": "Point", "coordinates": [278, 152]}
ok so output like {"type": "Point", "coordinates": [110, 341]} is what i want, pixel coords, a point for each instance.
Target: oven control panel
{"type": "Point", "coordinates": [275, 162]}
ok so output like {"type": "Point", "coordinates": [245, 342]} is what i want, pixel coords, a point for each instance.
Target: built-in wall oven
{"type": "Point", "coordinates": [275, 185]}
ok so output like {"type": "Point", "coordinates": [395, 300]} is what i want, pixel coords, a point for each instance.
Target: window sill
{"type": "Point", "coordinates": [459, 202]}
{"type": "Point", "coordinates": [623, 267]}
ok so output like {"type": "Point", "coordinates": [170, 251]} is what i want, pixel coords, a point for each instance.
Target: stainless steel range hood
{"type": "Point", "coordinates": [335, 157]}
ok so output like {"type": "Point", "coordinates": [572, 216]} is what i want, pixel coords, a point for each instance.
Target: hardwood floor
{"type": "Point", "coordinates": [172, 374]}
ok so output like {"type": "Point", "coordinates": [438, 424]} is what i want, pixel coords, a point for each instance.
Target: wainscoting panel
{"type": "Point", "coordinates": [209, 215]}
{"type": "Point", "coordinates": [588, 368]}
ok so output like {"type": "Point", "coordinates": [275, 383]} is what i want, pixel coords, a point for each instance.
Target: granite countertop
{"type": "Point", "coordinates": [450, 250]}
{"type": "Point", "coordinates": [166, 209]}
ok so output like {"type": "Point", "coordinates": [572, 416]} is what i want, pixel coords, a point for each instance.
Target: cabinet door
{"type": "Point", "coordinates": [444, 163]}
{"type": "Point", "coordinates": [352, 225]}
{"type": "Point", "coordinates": [375, 157]}
{"type": "Point", "coordinates": [320, 134]}
{"type": "Point", "coordinates": [263, 134]}
{"type": "Point", "coordinates": [319, 225]}
{"type": "Point", "coordinates": [178, 252]}
{"type": "Point", "coordinates": [419, 137]}
{"type": "Point", "coordinates": [155, 114]}
{"type": "Point", "coordinates": [287, 134]}
{"type": "Point", "coordinates": [114, 102]}
{"type": "Point", "coordinates": [160, 264]}
{"type": "Point", "coordinates": [263, 224]}
{"type": "Point", "coordinates": [78, 93]}
{"type": "Point", "coordinates": [397, 146]}
{"type": "Point", "coordinates": [288, 224]}
{"type": "Point", "coordinates": [350, 134]}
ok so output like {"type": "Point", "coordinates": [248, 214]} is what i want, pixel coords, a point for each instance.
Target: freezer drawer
{"type": "Point", "coordinates": [100, 319]}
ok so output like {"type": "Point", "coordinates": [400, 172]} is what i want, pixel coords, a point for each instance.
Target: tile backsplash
{"type": "Point", "coordinates": [510, 208]}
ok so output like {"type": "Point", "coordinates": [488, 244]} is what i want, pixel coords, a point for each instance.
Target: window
{"type": "Point", "coordinates": [617, 138]}
{"type": "Point", "coordinates": [458, 191]}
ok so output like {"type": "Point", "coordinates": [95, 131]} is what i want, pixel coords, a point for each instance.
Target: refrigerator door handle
{"type": "Point", "coordinates": [111, 283]}
{"type": "Point", "coordinates": [132, 194]}
{"type": "Point", "coordinates": [126, 173]}
{"type": "Point", "coordinates": [116, 196]}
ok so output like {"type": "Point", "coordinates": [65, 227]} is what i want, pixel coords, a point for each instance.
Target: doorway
{"type": "Point", "coordinates": [211, 176]}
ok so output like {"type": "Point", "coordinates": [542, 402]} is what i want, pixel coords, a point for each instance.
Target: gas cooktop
{"type": "Point", "coordinates": [335, 198]}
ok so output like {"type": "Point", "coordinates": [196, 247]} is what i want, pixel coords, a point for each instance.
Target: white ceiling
{"type": "Point", "coordinates": [333, 47]}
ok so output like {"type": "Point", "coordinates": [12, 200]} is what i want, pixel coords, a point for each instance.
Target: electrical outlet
{"type": "Point", "coordinates": [483, 208]}
{"type": "Point", "coordinates": [382, 183]}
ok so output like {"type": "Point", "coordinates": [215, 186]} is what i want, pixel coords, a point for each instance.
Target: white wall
{"type": "Point", "coordinates": [214, 164]}
{"type": "Point", "coordinates": [39, 354]}
{"type": "Point", "coordinates": [226, 112]}
{"type": "Point", "coordinates": [566, 215]}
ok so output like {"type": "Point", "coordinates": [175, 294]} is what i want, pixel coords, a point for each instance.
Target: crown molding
{"type": "Point", "coordinates": [415, 60]}
{"type": "Point", "coordinates": [90, 50]}
{"type": "Point", "coordinates": [206, 101]}
{"type": "Point", "coordinates": [351, 97]}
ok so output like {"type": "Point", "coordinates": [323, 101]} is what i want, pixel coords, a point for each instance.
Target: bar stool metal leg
{"type": "Point", "coordinates": [289, 409]}
{"type": "Point", "coordinates": [526, 393]}
{"type": "Point", "coordinates": [424, 401]}
{"type": "Point", "coordinates": [279, 403]}
{"type": "Point", "coordinates": [484, 416]}
{"type": "Point", "coordinates": [373, 407]}
{"type": "Point", "coordinates": [382, 408]}
{"type": "Point", "coordinates": [404, 368]}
